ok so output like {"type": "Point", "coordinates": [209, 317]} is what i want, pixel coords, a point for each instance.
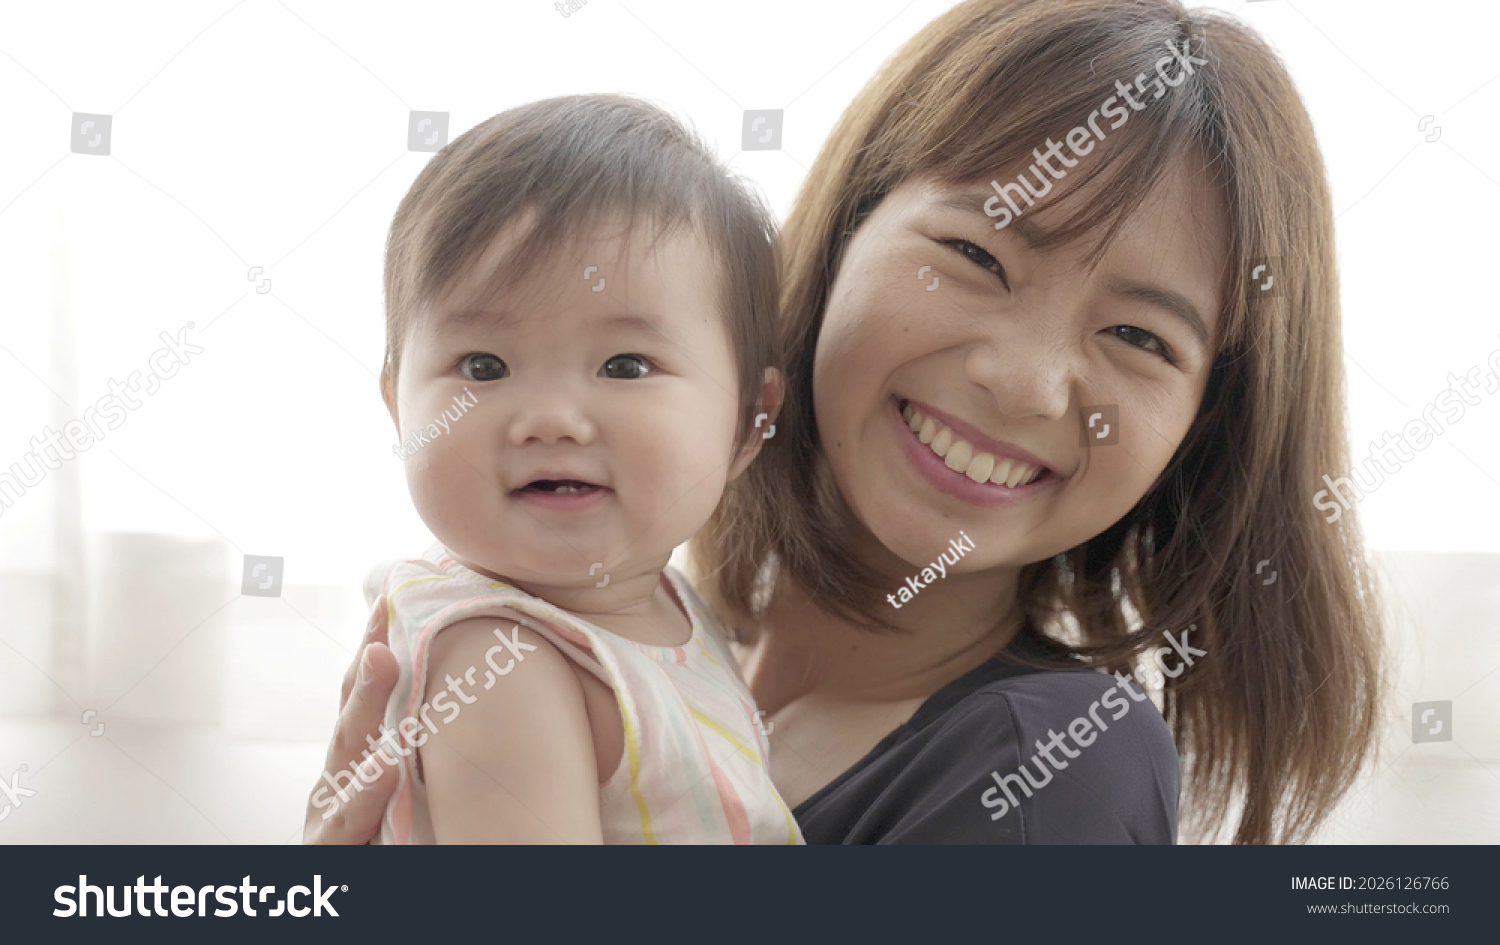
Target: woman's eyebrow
{"type": "Point", "coordinates": [974, 201]}
{"type": "Point", "coordinates": [1165, 299]}
{"type": "Point", "coordinates": [1171, 302]}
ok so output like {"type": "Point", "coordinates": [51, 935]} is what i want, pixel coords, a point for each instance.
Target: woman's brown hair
{"type": "Point", "coordinates": [1281, 715]}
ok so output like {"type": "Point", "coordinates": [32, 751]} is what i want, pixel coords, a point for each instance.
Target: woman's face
{"type": "Point", "coordinates": [1046, 400]}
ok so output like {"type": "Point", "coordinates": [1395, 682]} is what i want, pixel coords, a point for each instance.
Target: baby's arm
{"type": "Point", "coordinates": [515, 765]}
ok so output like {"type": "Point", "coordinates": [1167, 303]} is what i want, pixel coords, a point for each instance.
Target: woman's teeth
{"type": "Point", "coordinates": [959, 455]}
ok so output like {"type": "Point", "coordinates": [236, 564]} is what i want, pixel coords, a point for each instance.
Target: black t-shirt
{"type": "Point", "coordinates": [945, 775]}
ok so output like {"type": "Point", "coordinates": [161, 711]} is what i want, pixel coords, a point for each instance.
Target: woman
{"type": "Point", "coordinates": [1053, 407]}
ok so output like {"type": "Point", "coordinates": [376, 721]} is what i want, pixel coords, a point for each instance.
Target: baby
{"type": "Point", "coordinates": [573, 398]}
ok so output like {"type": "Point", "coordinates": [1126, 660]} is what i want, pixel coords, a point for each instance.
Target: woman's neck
{"type": "Point", "coordinates": [953, 627]}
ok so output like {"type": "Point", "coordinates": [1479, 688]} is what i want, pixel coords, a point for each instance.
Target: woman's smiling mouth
{"type": "Point", "coordinates": [954, 465]}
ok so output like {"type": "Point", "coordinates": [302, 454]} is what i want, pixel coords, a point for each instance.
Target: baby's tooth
{"type": "Point", "coordinates": [958, 456]}
{"type": "Point", "coordinates": [942, 442]}
{"type": "Point", "coordinates": [980, 467]}
{"type": "Point", "coordinates": [906, 413]}
{"type": "Point", "coordinates": [928, 431]}
{"type": "Point", "coordinates": [915, 421]}
{"type": "Point", "coordinates": [1016, 475]}
{"type": "Point", "coordinates": [1001, 470]}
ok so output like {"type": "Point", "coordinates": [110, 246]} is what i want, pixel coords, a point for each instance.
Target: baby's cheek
{"type": "Point", "coordinates": [440, 491]}
{"type": "Point", "coordinates": [680, 473]}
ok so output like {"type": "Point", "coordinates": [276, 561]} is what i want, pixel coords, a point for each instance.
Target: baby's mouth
{"type": "Point", "coordinates": [559, 487]}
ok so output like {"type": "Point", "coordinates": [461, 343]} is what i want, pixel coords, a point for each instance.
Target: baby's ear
{"type": "Point", "coordinates": [768, 406]}
{"type": "Point", "coordinates": [388, 394]}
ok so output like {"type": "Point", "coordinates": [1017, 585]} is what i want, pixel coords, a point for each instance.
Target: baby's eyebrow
{"type": "Point", "coordinates": [447, 324]}
{"type": "Point", "coordinates": [636, 323]}
{"type": "Point", "coordinates": [452, 323]}
{"type": "Point", "coordinates": [632, 323]}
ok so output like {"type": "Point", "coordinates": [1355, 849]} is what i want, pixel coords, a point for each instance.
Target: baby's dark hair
{"type": "Point", "coordinates": [571, 162]}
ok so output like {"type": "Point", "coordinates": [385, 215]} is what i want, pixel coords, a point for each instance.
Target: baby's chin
{"type": "Point", "coordinates": [558, 569]}
{"type": "Point", "coordinates": [521, 547]}
{"type": "Point", "coordinates": [563, 571]}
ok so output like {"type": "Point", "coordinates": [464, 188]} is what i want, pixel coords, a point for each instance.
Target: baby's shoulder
{"type": "Point", "coordinates": [427, 594]}
{"type": "Point", "coordinates": [708, 627]}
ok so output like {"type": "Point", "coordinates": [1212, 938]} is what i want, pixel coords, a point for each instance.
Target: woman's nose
{"type": "Point", "coordinates": [1028, 370]}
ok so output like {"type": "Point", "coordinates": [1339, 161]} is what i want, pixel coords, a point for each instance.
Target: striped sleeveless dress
{"type": "Point", "coordinates": [693, 769]}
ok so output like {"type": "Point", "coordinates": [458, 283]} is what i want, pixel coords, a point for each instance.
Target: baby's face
{"type": "Point", "coordinates": [596, 407]}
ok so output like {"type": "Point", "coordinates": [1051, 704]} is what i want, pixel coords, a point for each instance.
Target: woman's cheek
{"type": "Point", "coordinates": [1118, 476]}
{"type": "Point", "coordinates": [851, 329]}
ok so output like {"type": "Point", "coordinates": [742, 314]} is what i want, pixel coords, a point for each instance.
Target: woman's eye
{"type": "Point", "coordinates": [977, 255]}
{"type": "Point", "coordinates": [1143, 339]}
{"type": "Point", "coordinates": [484, 367]}
{"type": "Point", "coordinates": [626, 367]}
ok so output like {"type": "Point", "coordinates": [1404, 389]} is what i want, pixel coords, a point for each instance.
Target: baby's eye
{"type": "Point", "coordinates": [484, 367]}
{"type": "Point", "coordinates": [1143, 339]}
{"type": "Point", "coordinates": [627, 367]}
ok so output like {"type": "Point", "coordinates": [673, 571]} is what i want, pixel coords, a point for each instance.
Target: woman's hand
{"type": "Point", "coordinates": [367, 687]}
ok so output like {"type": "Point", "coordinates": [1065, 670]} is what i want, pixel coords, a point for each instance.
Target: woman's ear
{"type": "Point", "coordinates": [772, 390]}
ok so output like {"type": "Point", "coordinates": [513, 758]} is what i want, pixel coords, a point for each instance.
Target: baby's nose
{"type": "Point", "coordinates": [551, 420]}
